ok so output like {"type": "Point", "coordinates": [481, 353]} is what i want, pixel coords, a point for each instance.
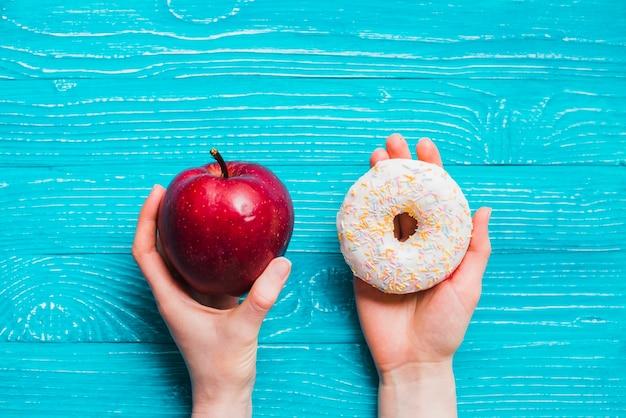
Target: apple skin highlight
{"type": "Point", "coordinates": [220, 230]}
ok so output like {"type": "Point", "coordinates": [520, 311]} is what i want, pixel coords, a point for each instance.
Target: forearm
{"type": "Point", "coordinates": [418, 391]}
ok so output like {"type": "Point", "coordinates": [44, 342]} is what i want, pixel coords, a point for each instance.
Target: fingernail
{"type": "Point", "coordinates": [281, 267]}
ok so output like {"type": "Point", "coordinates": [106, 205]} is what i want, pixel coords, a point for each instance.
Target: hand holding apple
{"type": "Point", "coordinates": [220, 225]}
{"type": "Point", "coordinates": [219, 345]}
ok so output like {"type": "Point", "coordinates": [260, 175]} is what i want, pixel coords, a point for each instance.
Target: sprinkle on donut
{"type": "Point", "coordinates": [366, 231]}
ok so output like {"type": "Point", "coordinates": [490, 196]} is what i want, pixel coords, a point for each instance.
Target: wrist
{"type": "Point", "coordinates": [415, 373]}
{"type": "Point", "coordinates": [220, 403]}
{"type": "Point", "coordinates": [425, 389]}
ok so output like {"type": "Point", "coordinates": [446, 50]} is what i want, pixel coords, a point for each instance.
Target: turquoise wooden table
{"type": "Point", "coordinates": [100, 100]}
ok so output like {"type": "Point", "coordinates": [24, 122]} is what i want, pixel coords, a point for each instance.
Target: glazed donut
{"type": "Point", "coordinates": [365, 226]}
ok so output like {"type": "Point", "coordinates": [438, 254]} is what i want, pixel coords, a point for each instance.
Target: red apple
{"type": "Point", "coordinates": [220, 225]}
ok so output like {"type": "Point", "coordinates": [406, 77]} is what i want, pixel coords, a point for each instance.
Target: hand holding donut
{"type": "Point", "coordinates": [412, 337]}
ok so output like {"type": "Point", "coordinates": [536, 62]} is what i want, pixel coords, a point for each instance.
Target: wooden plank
{"type": "Point", "coordinates": [538, 299]}
{"type": "Point", "coordinates": [60, 210]}
{"type": "Point", "coordinates": [141, 380]}
{"type": "Point", "coordinates": [291, 122]}
{"type": "Point", "coordinates": [336, 381]}
{"type": "Point", "coordinates": [128, 95]}
{"type": "Point", "coordinates": [327, 38]}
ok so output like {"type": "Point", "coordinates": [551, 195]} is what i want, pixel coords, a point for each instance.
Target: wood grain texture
{"type": "Point", "coordinates": [98, 101]}
{"type": "Point", "coordinates": [291, 122]}
{"type": "Point", "coordinates": [328, 38]}
{"type": "Point", "coordinates": [305, 380]}
{"type": "Point", "coordinates": [58, 210]}
{"type": "Point", "coordinates": [544, 300]}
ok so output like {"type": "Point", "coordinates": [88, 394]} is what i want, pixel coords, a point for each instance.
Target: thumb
{"type": "Point", "coordinates": [264, 292]}
{"type": "Point", "coordinates": [469, 274]}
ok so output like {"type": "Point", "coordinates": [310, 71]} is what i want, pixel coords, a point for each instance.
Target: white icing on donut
{"type": "Point", "coordinates": [366, 230]}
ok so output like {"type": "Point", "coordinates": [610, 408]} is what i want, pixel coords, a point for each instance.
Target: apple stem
{"type": "Point", "coordinates": [216, 154]}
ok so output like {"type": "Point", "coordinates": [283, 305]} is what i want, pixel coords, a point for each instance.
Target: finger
{"type": "Point", "coordinates": [379, 154]}
{"type": "Point", "coordinates": [145, 234]}
{"type": "Point", "coordinates": [163, 285]}
{"type": "Point", "coordinates": [468, 276]}
{"type": "Point", "coordinates": [397, 147]}
{"type": "Point", "coordinates": [427, 151]}
{"type": "Point", "coordinates": [480, 244]}
{"type": "Point", "coordinates": [264, 292]}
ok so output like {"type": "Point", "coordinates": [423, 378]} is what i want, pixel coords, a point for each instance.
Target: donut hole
{"type": "Point", "coordinates": [404, 225]}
